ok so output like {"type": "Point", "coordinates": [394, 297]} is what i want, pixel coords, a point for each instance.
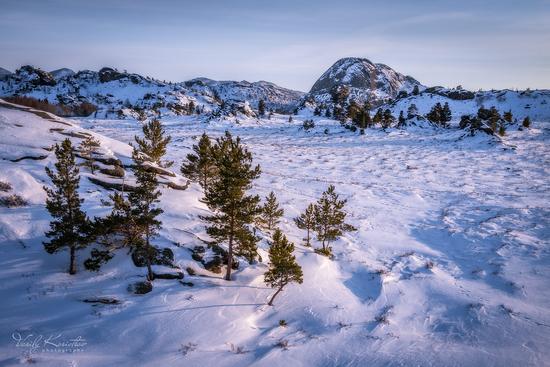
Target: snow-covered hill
{"type": "Point", "coordinates": [535, 104]}
{"type": "Point", "coordinates": [121, 94]}
{"type": "Point", "coordinates": [365, 80]}
{"type": "Point", "coordinates": [449, 265]}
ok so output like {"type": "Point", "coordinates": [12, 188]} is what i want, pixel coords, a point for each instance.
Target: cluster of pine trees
{"type": "Point", "coordinates": [440, 115]}
{"type": "Point", "coordinates": [133, 221]}
{"type": "Point", "coordinates": [490, 121]}
{"type": "Point", "coordinates": [326, 218]}
{"type": "Point", "coordinates": [224, 168]}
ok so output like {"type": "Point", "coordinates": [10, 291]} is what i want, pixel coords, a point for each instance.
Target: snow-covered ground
{"type": "Point", "coordinates": [450, 265]}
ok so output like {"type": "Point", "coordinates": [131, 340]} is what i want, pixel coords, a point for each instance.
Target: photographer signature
{"type": "Point", "coordinates": [51, 343]}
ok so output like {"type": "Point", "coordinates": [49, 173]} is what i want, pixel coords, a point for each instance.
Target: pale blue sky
{"type": "Point", "coordinates": [476, 43]}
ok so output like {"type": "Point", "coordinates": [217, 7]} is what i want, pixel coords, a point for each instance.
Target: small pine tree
{"type": "Point", "coordinates": [330, 218]}
{"type": "Point", "coordinates": [501, 130]}
{"type": "Point", "coordinates": [446, 114]}
{"type": "Point", "coordinates": [415, 91]}
{"type": "Point", "coordinates": [306, 221]}
{"type": "Point", "coordinates": [290, 118]}
{"type": "Point", "coordinates": [270, 212]}
{"type": "Point", "coordinates": [69, 225]}
{"type": "Point", "coordinates": [378, 116]}
{"type": "Point", "coordinates": [143, 200]}
{"type": "Point", "coordinates": [190, 108]}
{"type": "Point", "coordinates": [226, 196]}
{"type": "Point", "coordinates": [526, 122]}
{"type": "Point", "coordinates": [412, 111]}
{"type": "Point", "coordinates": [154, 142]}
{"type": "Point", "coordinates": [283, 268]}
{"type": "Point", "coordinates": [401, 119]}
{"type": "Point", "coordinates": [87, 149]}
{"type": "Point", "coordinates": [507, 116]}
{"type": "Point", "coordinates": [261, 107]}
{"type": "Point", "coordinates": [200, 165]}
{"type": "Point", "coordinates": [387, 119]}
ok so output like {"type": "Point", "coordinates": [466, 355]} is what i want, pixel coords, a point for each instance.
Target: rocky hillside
{"type": "Point", "coordinates": [276, 98]}
{"type": "Point", "coordinates": [120, 94]}
{"type": "Point", "coordinates": [364, 80]}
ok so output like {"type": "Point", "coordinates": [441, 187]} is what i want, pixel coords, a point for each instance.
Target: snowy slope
{"type": "Point", "coordinates": [535, 104]}
{"type": "Point", "coordinates": [449, 266]}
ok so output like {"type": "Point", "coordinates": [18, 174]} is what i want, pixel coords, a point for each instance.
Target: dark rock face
{"type": "Point", "coordinates": [177, 275]}
{"type": "Point", "coordinates": [36, 76]}
{"type": "Point", "coordinates": [109, 74]}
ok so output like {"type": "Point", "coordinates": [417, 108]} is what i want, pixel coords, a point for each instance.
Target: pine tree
{"type": "Point", "coordinates": [415, 91]}
{"type": "Point", "coordinates": [401, 119]}
{"type": "Point", "coordinates": [143, 200]}
{"type": "Point", "coordinates": [283, 268]}
{"type": "Point", "coordinates": [154, 142]}
{"type": "Point", "coordinates": [436, 114]}
{"type": "Point", "coordinates": [501, 130]}
{"type": "Point", "coordinates": [387, 119]}
{"type": "Point", "coordinates": [190, 108]}
{"type": "Point", "coordinates": [87, 148]}
{"type": "Point", "coordinates": [412, 111]}
{"type": "Point", "coordinates": [290, 118]}
{"type": "Point", "coordinates": [526, 122]}
{"type": "Point", "coordinates": [70, 225]}
{"type": "Point", "coordinates": [446, 114]}
{"type": "Point", "coordinates": [330, 218]}
{"type": "Point", "coordinates": [353, 112]}
{"type": "Point", "coordinates": [261, 107]}
{"type": "Point", "coordinates": [200, 165]}
{"type": "Point", "coordinates": [378, 116]}
{"type": "Point", "coordinates": [270, 212]}
{"type": "Point", "coordinates": [122, 222]}
{"type": "Point", "coordinates": [233, 209]}
{"type": "Point", "coordinates": [508, 117]}
{"type": "Point", "coordinates": [306, 221]}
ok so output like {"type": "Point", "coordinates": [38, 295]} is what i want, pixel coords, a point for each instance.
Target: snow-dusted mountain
{"type": "Point", "coordinates": [365, 80]}
{"type": "Point", "coordinates": [122, 94]}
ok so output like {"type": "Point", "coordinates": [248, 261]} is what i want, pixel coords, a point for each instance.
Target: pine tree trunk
{"type": "Point", "coordinates": [307, 238]}
{"type": "Point", "coordinates": [72, 268]}
{"type": "Point", "coordinates": [270, 303]}
{"type": "Point", "coordinates": [229, 258]}
{"type": "Point", "coordinates": [150, 275]}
